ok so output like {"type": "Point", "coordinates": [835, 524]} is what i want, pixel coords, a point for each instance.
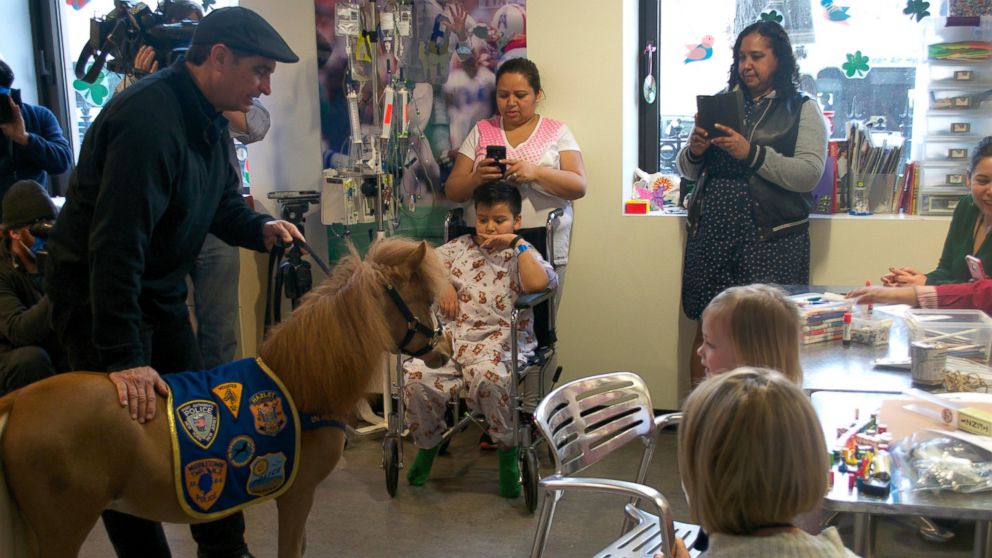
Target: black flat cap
{"type": "Point", "coordinates": [25, 203]}
{"type": "Point", "coordinates": [244, 30]}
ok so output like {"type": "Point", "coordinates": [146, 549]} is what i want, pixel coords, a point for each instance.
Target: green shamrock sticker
{"type": "Point", "coordinates": [917, 9]}
{"type": "Point", "coordinates": [856, 65]}
{"type": "Point", "coordinates": [772, 15]}
{"type": "Point", "coordinates": [96, 92]}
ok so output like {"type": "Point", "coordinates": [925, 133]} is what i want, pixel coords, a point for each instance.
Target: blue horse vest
{"type": "Point", "coordinates": [235, 437]}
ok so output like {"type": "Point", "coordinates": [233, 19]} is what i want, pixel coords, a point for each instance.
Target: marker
{"type": "Point", "coordinates": [870, 305]}
{"type": "Point", "coordinates": [846, 337]}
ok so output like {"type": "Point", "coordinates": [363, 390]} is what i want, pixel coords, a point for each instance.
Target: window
{"type": "Point", "coordinates": [86, 99]}
{"type": "Point", "coordinates": [694, 57]}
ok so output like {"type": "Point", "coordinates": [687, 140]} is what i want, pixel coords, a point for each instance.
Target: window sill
{"type": "Point", "coordinates": [819, 216]}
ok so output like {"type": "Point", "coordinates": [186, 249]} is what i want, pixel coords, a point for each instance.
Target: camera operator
{"type": "Point", "coordinates": [154, 177]}
{"type": "Point", "coordinates": [146, 59]}
{"type": "Point", "coordinates": [29, 349]}
{"type": "Point", "coordinates": [32, 144]}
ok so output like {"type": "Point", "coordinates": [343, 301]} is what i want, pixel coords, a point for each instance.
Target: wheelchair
{"type": "Point", "coordinates": [529, 383]}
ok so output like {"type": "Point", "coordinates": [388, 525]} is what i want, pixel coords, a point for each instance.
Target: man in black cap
{"type": "Point", "coordinates": [153, 179]}
{"type": "Point", "coordinates": [28, 346]}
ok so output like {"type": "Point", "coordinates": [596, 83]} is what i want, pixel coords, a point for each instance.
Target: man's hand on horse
{"type": "Point", "coordinates": [136, 389]}
{"type": "Point", "coordinates": [280, 231]}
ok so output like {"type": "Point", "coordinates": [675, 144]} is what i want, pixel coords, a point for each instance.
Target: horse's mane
{"type": "Point", "coordinates": [326, 351]}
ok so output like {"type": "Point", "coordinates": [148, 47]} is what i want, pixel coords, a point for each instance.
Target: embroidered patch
{"type": "Point", "coordinates": [266, 406]}
{"type": "Point", "coordinates": [230, 395]}
{"type": "Point", "coordinates": [241, 450]}
{"type": "Point", "coordinates": [200, 421]}
{"type": "Point", "coordinates": [205, 480]}
{"type": "Point", "coordinates": [268, 473]}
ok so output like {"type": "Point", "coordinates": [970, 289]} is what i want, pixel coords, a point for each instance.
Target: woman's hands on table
{"type": "Point", "coordinates": [903, 276]}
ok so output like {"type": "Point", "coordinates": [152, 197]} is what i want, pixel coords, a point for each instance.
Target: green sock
{"type": "Point", "coordinates": [509, 473]}
{"type": "Point", "coordinates": [421, 468]}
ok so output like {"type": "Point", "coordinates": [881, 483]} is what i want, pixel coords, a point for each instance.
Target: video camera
{"type": "Point", "coordinates": [124, 30]}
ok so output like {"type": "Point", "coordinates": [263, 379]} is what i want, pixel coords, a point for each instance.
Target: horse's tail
{"type": "Point", "coordinates": [13, 531]}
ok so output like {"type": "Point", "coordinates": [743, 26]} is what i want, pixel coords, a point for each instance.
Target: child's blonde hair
{"type": "Point", "coordinates": [751, 452]}
{"type": "Point", "coordinates": [763, 325]}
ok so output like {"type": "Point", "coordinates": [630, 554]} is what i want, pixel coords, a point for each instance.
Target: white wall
{"type": "Point", "coordinates": [621, 306]}
{"type": "Point", "coordinates": [289, 156]}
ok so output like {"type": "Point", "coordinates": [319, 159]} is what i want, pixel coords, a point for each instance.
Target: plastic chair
{"type": "Point", "coordinates": [586, 420]}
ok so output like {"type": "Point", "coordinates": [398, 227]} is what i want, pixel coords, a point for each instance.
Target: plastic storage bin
{"type": "Point", "coordinates": [965, 333]}
{"type": "Point", "coordinates": [870, 331]}
{"type": "Point", "coordinates": [940, 201]}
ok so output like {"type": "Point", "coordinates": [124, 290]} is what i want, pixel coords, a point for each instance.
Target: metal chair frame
{"type": "Point", "coordinates": [523, 436]}
{"type": "Point", "coordinates": [583, 422]}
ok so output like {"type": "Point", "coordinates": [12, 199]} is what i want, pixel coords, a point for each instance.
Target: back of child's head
{"type": "Point", "coordinates": [763, 325]}
{"type": "Point", "coordinates": [751, 452]}
{"type": "Point", "coordinates": [494, 193]}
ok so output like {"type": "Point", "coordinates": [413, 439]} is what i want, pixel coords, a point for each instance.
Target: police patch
{"type": "Point", "coordinates": [267, 408]}
{"type": "Point", "coordinates": [230, 395]}
{"type": "Point", "coordinates": [241, 450]}
{"type": "Point", "coordinates": [200, 421]}
{"type": "Point", "coordinates": [268, 473]}
{"type": "Point", "coordinates": [205, 480]}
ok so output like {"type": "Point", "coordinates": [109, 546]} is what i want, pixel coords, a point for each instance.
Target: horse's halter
{"type": "Point", "coordinates": [414, 326]}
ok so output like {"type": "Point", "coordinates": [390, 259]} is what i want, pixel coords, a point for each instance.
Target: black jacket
{"type": "Point", "coordinates": [777, 212]}
{"type": "Point", "coordinates": [24, 310]}
{"type": "Point", "coordinates": [153, 179]}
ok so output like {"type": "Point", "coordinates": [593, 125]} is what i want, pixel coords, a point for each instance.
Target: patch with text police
{"type": "Point", "coordinates": [224, 459]}
{"type": "Point", "coordinates": [199, 420]}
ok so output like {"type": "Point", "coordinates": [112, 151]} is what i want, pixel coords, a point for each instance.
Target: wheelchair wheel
{"type": "Point", "coordinates": [391, 463]}
{"type": "Point", "coordinates": [529, 473]}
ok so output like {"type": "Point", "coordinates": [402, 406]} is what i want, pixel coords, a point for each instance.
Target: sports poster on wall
{"type": "Point", "coordinates": [446, 52]}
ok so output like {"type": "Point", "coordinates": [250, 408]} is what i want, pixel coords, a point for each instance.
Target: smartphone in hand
{"type": "Point", "coordinates": [497, 153]}
{"type": "Point", "coordinates": [976, 268]}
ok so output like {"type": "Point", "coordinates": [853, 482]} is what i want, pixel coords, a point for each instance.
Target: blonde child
{"type": "Point", "coordinates": [735, 426]}
{"type": "Point", "coordinates": [753, 325]}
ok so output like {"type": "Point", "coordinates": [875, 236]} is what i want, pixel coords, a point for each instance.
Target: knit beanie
{"type": "Point", "coordinates": [25, 203]}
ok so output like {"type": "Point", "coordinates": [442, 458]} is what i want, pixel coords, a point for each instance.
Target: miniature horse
{"type": "Point", "coordinates": [69, 450]}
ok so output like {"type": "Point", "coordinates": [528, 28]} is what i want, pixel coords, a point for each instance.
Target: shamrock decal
{"type": "Point", "coordinates": [917, 9]}
{"type": "Point", "coordinates": [96, 92]}
{"type": "Point", "coordinates": [772, 15]}
{"type": "Point", "coordinates": [856, 65]}
{"type": "Point", "coordinates": [207, 4]}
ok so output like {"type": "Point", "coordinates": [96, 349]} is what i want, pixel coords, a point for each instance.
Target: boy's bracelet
{"type": "Point", "coordinates": [516, 241]}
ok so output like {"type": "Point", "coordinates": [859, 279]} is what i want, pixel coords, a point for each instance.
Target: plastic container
{"type": "Point", "coordinates": [870, 331]}
{"type": "Point", "coordinates": [940, 201]}
{"type": "Point", "coordinates": [965, 333]}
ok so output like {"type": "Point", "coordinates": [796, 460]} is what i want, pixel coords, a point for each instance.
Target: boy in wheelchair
{"type": "Point", "coordinates": [487, 272]}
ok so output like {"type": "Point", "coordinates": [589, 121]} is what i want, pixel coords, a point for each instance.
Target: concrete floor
{"type": "Point", "coordinates": [459, 513]}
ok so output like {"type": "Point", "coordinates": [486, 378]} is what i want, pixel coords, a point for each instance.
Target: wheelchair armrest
{"type": "Point", "coordinates": [531, 300]}
{"type": "Point", "coordinates": [620, 488]}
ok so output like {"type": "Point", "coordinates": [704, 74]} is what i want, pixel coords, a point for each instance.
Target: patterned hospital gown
{"type": "Point", "coordinates": [487, 284]}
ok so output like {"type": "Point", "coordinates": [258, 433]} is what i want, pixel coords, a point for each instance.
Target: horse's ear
{"type": "Point", "coordinates": [412, 262]}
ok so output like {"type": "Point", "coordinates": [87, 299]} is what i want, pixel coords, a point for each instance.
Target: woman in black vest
{"type": "Point", "coordinates": [749, 211]}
